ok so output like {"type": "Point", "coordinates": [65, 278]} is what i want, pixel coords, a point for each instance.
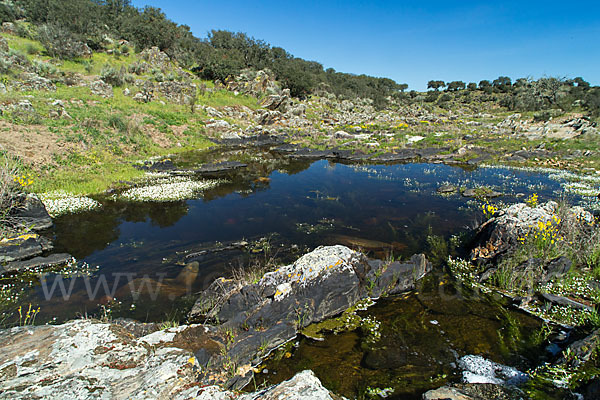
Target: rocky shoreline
{"type": "Point", "coordinates": [127, 359]}
{"type": "Point", "coordinates": [236, 324]}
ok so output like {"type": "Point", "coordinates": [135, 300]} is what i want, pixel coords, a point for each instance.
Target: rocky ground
{"type": "Point", "coordinates": [128, 359]}
{"type": "Point", "coordinates": [64, 117]}
{"type": "Point", "coordinates": [241, 322]}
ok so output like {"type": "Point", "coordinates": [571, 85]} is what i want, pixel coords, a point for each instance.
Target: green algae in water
{"type": "Point", "coordinates": [423, 333]}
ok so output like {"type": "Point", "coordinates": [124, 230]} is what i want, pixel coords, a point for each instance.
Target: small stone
{"type": "Point", "coordinates": [447, 189]}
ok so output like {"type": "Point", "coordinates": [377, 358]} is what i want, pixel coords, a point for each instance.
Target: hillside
{"type": "Point", "coordinates": [80, 124]}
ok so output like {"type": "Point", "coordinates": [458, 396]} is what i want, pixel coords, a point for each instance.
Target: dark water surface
{"type": "Point", "coordinates": [281, 208]}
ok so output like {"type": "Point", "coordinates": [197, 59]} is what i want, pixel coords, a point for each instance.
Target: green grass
{"type": "Point", "coordinates": [92, 180]}
{"type": "Point", "coordinates": [223, 98]}
{"type": "Point", "coordinates": [94, 172]}
{"type": "Point", "coordinates": [96, 62]}
{"type": "Point", "coordinates": [23, 45]}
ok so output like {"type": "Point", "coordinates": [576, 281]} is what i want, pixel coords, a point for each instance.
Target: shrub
{"type": "Point", "coordinates": [88, 65]}
{"type": "Point", "coordinates": [444, 98]}
{"type": "Point", "coordinates": [5, 65]}
{"type": "Point", "coordinates": [18, 58]}
{"type": "Point", "coordinates": [31, 49]}
{"type": "Point", "coordinates": [25, 30]}
{"type": "Point", "coordinates": [138, 68]}
{"type": "Point", "coordinates": [117, 122]}
{"type": "Point", "coordinates": [61, 43]}
{"type": "Point", "coordinates": [10, 188]}
{"type": "Point", "coordinates": [44, 68]}
{"type": "Point", "coordinates": [112, 75]}
{"type": "Point", "coordinates": [542, 116]}
{"type": "Point", "coordinates": [8, 11]}
{"type": "Point", "coordinates": [431, 96]}
{"type": "Point", "coordinates": [158, 75]}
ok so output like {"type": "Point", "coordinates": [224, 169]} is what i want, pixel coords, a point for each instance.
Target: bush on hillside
{"type": "Point", "coordinates": [61, 43]}
{"type": "Point", "coordinates": [112, 75]}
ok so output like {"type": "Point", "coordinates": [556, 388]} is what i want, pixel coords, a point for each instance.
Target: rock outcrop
{"type": "Point", "coordinates": [501, 235]}
{"type": "Point", "coordinates": [101, 88]}
{"type": "Point", "coordinates": [177, 92]}
{"type": "Point", "coordinates": [319, 285]}
{"type": "Point", "coordinates": [25, 252]}
{"type": "Point", "coordinates": [254, 83]}
{"type": "Point", "coordinates": [88, 359]}
{"type": "Point", "coordinates": [156, 58]}
{"type": "Point", "coordinates": [30, 81]}
{"type": "Point", "coordinates": [502, 232]}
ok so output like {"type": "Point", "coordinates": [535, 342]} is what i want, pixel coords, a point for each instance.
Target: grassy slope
{"type": "Point", "coordinates": [103, 137]}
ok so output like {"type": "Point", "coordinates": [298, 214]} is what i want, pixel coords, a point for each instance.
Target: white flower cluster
{"type": "Point", "coordinates": [371, 327]}
{"type": "Point", "coordinates": [60, 202]}
{"type": "Point", "coordinates": [172, 189]}
{"type": "Point", "coordinates": [577, 285]}
{"type": "Point", "coordinates": [563, 314]}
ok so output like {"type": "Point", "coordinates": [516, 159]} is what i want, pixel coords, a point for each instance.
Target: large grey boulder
{"type": "Point", "coordinates": [85, 359]}
{"type": "Point", "coordinates": [500, 233]}
{"type": "Point", "coordinates": [319, 285]}
{"type": "Point", "coordinates": [32, 214]}
{"type": "Point", "coordinates": [303, 386]}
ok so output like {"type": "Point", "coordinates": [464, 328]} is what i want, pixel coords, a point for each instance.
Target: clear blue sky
{"type": "Point", "coordinates": [415, 41]}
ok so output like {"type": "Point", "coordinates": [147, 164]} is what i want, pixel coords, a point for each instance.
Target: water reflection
{"type": "Point", "coordinates": [384, 210]}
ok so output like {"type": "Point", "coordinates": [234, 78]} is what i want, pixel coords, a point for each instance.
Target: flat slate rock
{"type": "Point", "coordinates": [565, 301]}
{"type": "Point", "coordinates": [17, 249]}
{"type": "Point", "coordinates": [430, 152]}
{"type": "Point", "coordinates": [317, 286]}
{"type": "Point", "coordinates": [479, 160]}
{"type": "Point", "coordinates": [37, 262]}
{"type": "Point", "coordinates": [158, 166]}
{"type": "Point", "coordinates": [401, 155]}
{"type": "Point", "coordinates": [32, 214]}
{"type": "Point", "coordinates": [220, 167]}
{"type": "Point", "coordinates": [447, 189]}
{"type": "Point", "coordinates": [312, 154]}
{"type": "Point", "coordinates": [253, 141]}
{"type": "Point", "coordinates": [286, 148]}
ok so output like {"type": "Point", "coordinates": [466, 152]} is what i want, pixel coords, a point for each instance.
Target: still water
{"type": "Point", "coordinates": [274, 208]}
{"type": "Point", "coordinates": [132, 259]}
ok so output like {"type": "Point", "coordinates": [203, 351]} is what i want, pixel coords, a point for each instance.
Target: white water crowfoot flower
{"type": "Point", "coordinates": [60, 202]}
{"type": "Point", "coordinates": [172, 189]}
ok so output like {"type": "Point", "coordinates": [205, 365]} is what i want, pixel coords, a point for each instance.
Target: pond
{"type": "Point", "coordinates": [147, 261]}
{"type": "Point", "coordinates": [274, 208]}
{"type": "Point", "coordinates": [420, 340]}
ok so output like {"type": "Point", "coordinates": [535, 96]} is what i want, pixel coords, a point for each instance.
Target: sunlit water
{"type": "Point", "coordinates": [281, 209]}
{"type": "Point", "coordinates": [381, 209]}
